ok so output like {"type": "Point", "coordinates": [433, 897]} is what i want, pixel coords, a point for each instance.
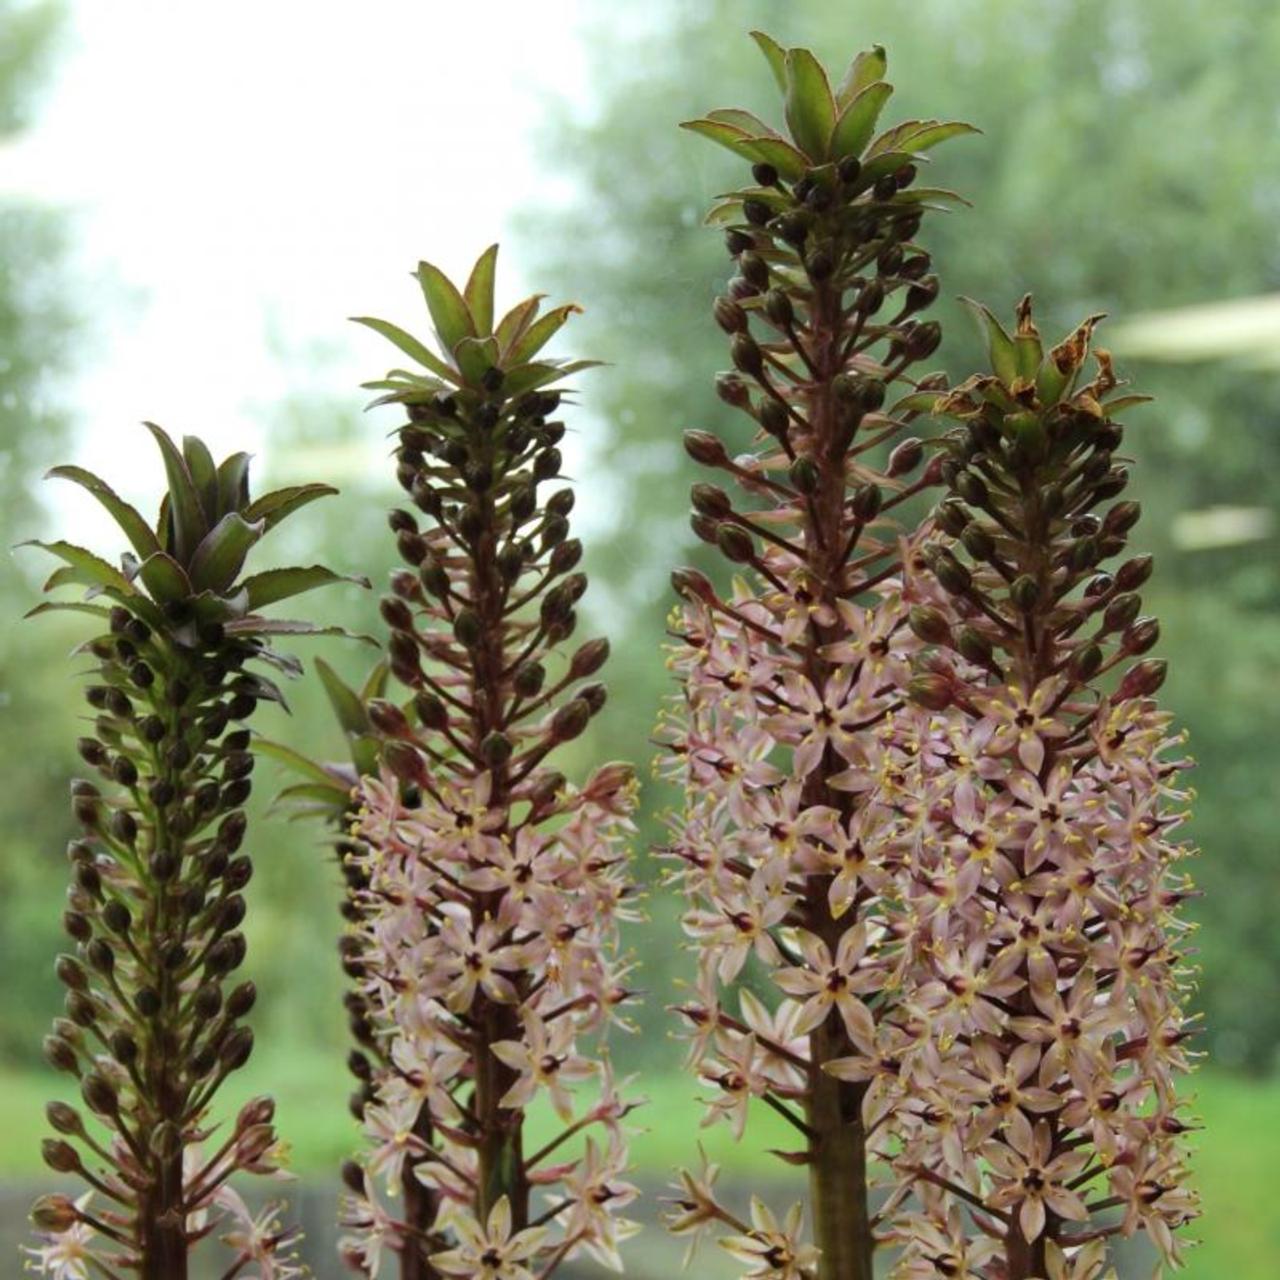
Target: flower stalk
{"type": "Point", "coordinates": [155, 1019]}
{"type": "Point", "coordinates": [487, 948]}
{"type": "Point", "coordinates": [787, 678]}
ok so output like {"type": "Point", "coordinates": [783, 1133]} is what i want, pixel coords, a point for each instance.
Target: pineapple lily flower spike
{"type": "Point", "coordinates": [153, 1025]}
{"type": "Point", "coordinates": [789, 676]}
{"type": "Point", "coordinates": [487, 951]}
{"type": "Point", "coordinates": [1049, 968]}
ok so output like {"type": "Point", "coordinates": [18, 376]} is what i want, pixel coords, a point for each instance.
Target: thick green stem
{"type": "Point", "coordinates": [837, 1165]}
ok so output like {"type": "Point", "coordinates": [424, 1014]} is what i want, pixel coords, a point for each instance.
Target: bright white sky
{"type": "Point", "coordinates": [244, 176]}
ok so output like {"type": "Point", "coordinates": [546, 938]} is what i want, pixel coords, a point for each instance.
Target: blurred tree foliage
{"type": "Point", "coordinates": [1131, 161]}
{"type": "Point", "coordinates": [37, 733]}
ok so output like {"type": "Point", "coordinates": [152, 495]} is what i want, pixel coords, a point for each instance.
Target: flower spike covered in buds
{"type": "Point", "coordinates": [154, 1013]}
{"type": "Point", "coordinates": [486, 947]}
{"type": "Point", "coordinates": [790, 677]}
{"type": "Point", "coordinates": [1050, 969]}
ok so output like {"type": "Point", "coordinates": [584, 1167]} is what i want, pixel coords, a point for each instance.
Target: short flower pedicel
{"type": "Point", "coordinates": [156, 903]}
{"type": "Point", "coordinates": [487, 948]}
{"type": "Point", "coordinates": [788, 677]}
{"type": "Point", "coordinates": [1039, 1108]}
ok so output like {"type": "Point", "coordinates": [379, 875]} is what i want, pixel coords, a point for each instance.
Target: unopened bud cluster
{"type": "Point", "coordinates": [155, 1010]}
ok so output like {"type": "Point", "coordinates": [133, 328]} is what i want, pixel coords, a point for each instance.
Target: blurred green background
{"type": "Point", "coordinates": [1130, 163]}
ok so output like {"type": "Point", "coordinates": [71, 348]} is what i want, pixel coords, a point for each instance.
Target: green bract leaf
{"type": "Point", "coordinates": [811, 110]}
{"type": "Point", "coordinates": [164, 578]}
{"type": "Point", "coordinates": [750, 124]}
{"type": "Point", "coordinates": [448, 308]}
{"type": "Point", "coordinates": [365, 752]}
{"type": "Point", "coordinates": [916, 402]}
{"type": "Point", "coordinates": [1000, 348]}
{"type": "Point", "coordinates": [1028, 352]}
{"type": "Point", "coordinates": [86, 569]}
{"type": "Point", "coordinates": [345, 701]}
{"type": "Point", "coordinates": [221, 554]}
{"type": "Point", "coordinates": [775, 55]}
{"type": "Point", "coordinates": [252, 625]}
{"type": "Point", "coordinates": [375, 683]}
{"type": "Point", "coordinates": [476, 356]}
{"type": "Point", "coordinates": [130, 520]}
{"type": "Point", "coordinates": [511, 328]}
{"type": "Point", "coordinates": [204, 475]}
{"type": "Point", "coordinates": [185, 511]}
{"type": "Point", "coordinates": [279, 584]}
{"type": "Point", "coordinates": [540, 333]}
{"type": "Point", "coordinates": [858, 120]}
{"type": "Point", "coordinates": [410, 346]}
{"type": "Point", "coordinates": [866, 69]}
{"type": "Point", "coordinates": [726, 135]}
{"type": "Point", "coordinates": [932, 132]}
{"type": "Point", "coordinates": [935, 197]}
{"type": "Point", "coordinates": [296, 761]}
{"type": "Point", "coordinates": [479, 291]}
{"type": "Point", "coordinates": [233, 482]}
{"type": "Point", "coordinates": [67, 606]}
{"type": "Point", "coordinates": [278, 505]}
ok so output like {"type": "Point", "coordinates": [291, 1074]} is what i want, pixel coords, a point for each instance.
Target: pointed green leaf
{"type": "Point", "coordinates": [214, 606]}
{"type": "Point", "coordinates": [475, 357]}
{"type": "Point", "coordinates": [204, 474]}
{"type": "Point", "coordinates": [136, 529]}
{"type": "Point", "coordinates": [165, 578]}
{"type": "Point", "coordinates": [278, 505]}
{"type": "Point", "coordinates": [375, 683]}
{"type": "Point", "coordinates": [811, 110]}
{"type": "Point", "coordinates": [867, 68]}
{"type": "Point", "coordinates": [86, 569]}
{"type": "Point", "coordinates": [916, 402]}
{"type": "Point", "coordinates": [1029, 353]}
{"type": "Point", "coordinates": [67, 606]}
{"type": "Point", "coordinates": [279, 584]}
{"type": "Point", "coordinates": [410, 346]}
{"type": "Point", "coordinates": [294, 760]}
{"type": "Point", "coordinates": [448, 308]}
{"type": "Point", "coordinates": [331, 794]}
{"type": "Point", "coordinates": [1000, 348]}
{"type": "Point", "coordinates": [877, 165]}
{"type": "Point", "coordinates": [750, 124]}
{"type": "Point", "coordinates": [345, 701]}
{"type": "Point", "coordinates": [775, 55]}
{"type": "Point", "coordinates": [366, 751]}
{"type": "Point", "coordinates": [932, 132]}
{"type": "Point", "coordinates": [540, 333]}
{"type": "Point", "coordinates": [479, 290]}
{"type": "Point", "coordinates": [932, 197]}
{"type": "Point", "coordinates": [186, 512]}
{"type": "Point", "coordinates": [725, 134]}
{"type": "Point", "coordinates": [858, 120]}
{"type": "Point", "coordinates": [512, 326]}
{"type": "Point", "coordinates": [253, 625]}
{"type": "Point", "coordinates": [233, 482]}
{"type": "Point", "coordinates": [1121, 403]}
{"type": "Point", "coordinates": [222, 552]}
{"type": "Point", "coordinates": [529, 377]}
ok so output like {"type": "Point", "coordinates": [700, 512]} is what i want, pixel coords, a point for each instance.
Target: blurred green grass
{"type": "Point", "coordinates": [1236, 1164]}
